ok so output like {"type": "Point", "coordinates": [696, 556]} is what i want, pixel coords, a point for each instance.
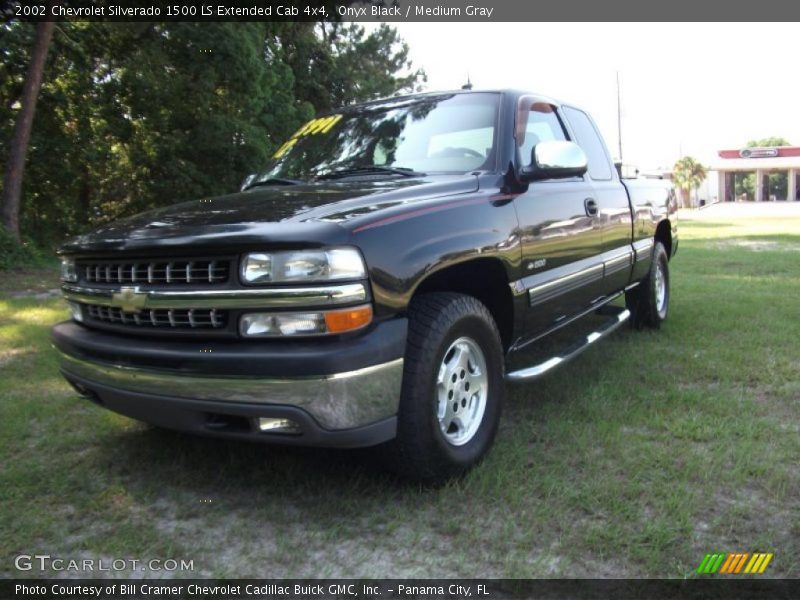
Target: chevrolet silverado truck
{"type": "Point", "coordinates": [377, 284]}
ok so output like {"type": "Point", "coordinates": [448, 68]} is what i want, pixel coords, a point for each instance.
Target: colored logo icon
{"type": "Point", "coordinates": [735, 563]}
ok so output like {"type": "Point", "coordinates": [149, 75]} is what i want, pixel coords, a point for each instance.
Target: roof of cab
{"type": "Point", "coordinates": [506, 91]}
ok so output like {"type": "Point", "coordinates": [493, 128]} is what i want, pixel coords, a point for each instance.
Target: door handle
{"type": "Point", "coordinates": [591, 206]}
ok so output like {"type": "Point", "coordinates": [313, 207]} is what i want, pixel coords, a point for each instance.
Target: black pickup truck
{"type": "Point", "coordinates": [376, 285]}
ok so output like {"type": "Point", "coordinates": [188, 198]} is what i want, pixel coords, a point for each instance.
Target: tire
{"type": "Point", "coordinates": [453, 350]}
{"type": "Point", "coordinates": [649, 301]}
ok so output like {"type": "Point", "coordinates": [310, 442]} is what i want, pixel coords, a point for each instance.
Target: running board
{"type": "Point", "coordinates": [571, 352]}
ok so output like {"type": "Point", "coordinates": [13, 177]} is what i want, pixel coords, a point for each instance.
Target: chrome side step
{"type": "Point", "coordinates": [571, 352]}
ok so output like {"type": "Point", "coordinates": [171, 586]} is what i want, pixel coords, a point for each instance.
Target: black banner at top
{"type": "Point", "coordinates": [476, 11]}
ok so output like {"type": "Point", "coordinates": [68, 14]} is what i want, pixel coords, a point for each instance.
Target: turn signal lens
{"type": "Point", "coordinates": [339, 321]}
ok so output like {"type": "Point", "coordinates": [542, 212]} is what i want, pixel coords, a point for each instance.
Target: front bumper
{"type": "Point", "coordinates": [339, 393]}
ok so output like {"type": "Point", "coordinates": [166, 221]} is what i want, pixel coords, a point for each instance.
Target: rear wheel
{"type": "Point", "coordinates": [452, 387]}
{"type": "Point", "coordinates": [649, 301]}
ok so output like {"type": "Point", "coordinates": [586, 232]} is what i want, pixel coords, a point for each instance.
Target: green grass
{"type": "Point", "coordinates": [647, 452]}
{"type": "Point", "coordinates": [28, 280]}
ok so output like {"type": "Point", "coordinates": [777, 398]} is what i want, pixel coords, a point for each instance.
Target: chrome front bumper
{"type": "Point", "coordinates": [336, 401]}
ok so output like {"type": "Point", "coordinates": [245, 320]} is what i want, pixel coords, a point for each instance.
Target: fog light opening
{"type": "Point", "coordinates": [76, 311]}
{"type": "Point", "coordinates": [283, 426]}
{"type": "Point", "coordinates": [305, 324]}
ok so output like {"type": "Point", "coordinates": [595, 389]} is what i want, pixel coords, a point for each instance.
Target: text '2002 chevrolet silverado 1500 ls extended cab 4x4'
{"type": "Point", "coordinates": [376, 284]}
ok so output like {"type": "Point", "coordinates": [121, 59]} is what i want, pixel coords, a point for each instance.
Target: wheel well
{"type": "Point", "coordinates": [484, 279]}
{"type": "Point", "coordinates": [664, 235]}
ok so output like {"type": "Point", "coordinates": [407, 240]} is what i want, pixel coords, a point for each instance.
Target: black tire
{"type": "Point", "coordinates": [648, 308]}
{"type": "Point", "coordinates": [445, 330]}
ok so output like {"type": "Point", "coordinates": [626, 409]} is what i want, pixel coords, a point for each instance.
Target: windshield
{"type": "Point", "coordinates": [447, 133]}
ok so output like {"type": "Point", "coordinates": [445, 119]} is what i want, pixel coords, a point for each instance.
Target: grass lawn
{"type": "Point", "coordinates": [647, 452]}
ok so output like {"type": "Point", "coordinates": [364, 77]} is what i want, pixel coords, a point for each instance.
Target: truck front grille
{"type": "Point", "coordinates": [159, 272]}
{"type": "Point", "coordinates": [197, 318]}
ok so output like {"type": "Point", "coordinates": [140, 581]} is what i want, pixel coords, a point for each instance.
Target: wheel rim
{"type": "Point", "coordinates": [462, 389]}
{"type": "Point", "coordinates": [661, 289]}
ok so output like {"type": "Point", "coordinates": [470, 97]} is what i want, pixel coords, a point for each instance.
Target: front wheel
{"type": "Point", "coordinates": [452, 387]}
{"type": "Point", "coordinates": [649, 301]}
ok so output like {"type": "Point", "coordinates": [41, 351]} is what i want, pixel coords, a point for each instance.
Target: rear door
{"type": "Point", "coordinates": [610, 200]}
{"type": "Point", "coordinates": [560, 240]}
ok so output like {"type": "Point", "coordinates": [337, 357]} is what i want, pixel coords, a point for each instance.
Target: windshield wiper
{"type": "Point", "coordinates": [404, 171]}
{"type": "Point", "coordinates": [276, 181]}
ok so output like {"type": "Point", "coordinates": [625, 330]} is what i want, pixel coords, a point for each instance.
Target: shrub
{"type": "Point", "coordinates": [15, 254]}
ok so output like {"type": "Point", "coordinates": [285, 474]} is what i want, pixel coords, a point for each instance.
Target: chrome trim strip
{"type": "Point", "coordinates": [561, 285]}
{"type": "Point", "coordinates": [337, 401]}
{"type": "Point", "coordinates": [517, 287]}
{"type": "Point", "coordinates": [553, 362]}
{"type": "Point", "coordinates": [618, 263]}
{"type": "Point", "coordinates": [220, 299]}
{"type": "Point", "coordinates": [566, 278]}
{"type": "Point", "coordinates": [643, 248]}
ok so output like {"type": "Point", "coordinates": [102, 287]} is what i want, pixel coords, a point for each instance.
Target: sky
{"type": "Point", "coordinates": [686, 89]}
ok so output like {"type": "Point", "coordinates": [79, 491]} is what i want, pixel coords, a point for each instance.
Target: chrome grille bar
{"type": "Point", "coordinates": [171, 272]}
{"type": "Point", "coordinates": [276, 297]}
{"type": "Point", "coordinates": [176, 319]}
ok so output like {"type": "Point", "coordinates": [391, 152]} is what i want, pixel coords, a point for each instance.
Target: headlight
{"type": "Point", "coordinates": [303, 265]}
{"type": "Point", "coordinates": [306, 323]}
{"type": "Point", "coordinates": [68, 272]}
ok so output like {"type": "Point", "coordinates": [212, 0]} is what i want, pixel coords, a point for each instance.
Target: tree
{"type": "Point", "coordinates": [770, 142]}
{"type": "Point", "coordinates": [195, 104]}
{"type": "Point", "coordinates": [688, 174]}
{"type": "Point", "coordinates": [18, 148]}
{"type": "Point", "coordinates": [337, 64]}
{"type": "Point", "coordinates": [134, 116]}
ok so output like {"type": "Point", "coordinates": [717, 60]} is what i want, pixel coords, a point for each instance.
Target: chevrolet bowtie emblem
{"type": "Point", "coordinates": [129, 299]}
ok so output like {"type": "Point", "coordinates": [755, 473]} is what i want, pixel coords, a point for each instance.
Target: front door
{"type": "Point", "coordinates": [560, 230]}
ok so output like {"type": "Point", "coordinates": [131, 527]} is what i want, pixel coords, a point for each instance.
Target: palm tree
{"type": "Point", "coordinates": [687, 175]}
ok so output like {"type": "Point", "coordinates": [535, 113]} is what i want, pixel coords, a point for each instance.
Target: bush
{"type": "Point", "coordinates": [15, 254]}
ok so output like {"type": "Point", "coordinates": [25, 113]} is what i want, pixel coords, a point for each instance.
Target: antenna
{"type": "Point", "coordinates": [619, 118]}
{"type": "Point", "coordinates": [468, 85]}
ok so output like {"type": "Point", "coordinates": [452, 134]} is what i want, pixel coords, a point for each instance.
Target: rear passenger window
{"type": "Point", "coordinates": [536, 122]}
{"type": "Point", "coordinates": [589, 140]}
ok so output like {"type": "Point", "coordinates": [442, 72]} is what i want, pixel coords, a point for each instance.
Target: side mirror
{"type": "Point", "coordinates": [554, 160]}
{"type": "Point", "coordinates": [247, 181]}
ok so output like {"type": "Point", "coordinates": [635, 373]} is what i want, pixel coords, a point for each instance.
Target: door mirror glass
{"type": "Point", "coordinates": [555, 160]}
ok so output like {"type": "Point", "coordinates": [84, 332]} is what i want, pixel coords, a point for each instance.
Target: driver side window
{"type": "Point", "coordinates": [536, 122]}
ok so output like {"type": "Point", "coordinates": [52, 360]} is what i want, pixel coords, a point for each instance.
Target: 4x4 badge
{"type": "Point", "coordinates": [129, 299]}
{"type": "Point", "coordinates": [537, 264]}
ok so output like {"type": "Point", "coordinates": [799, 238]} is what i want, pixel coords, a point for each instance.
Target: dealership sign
{"type": "Point", "coordinates": [758, 152]}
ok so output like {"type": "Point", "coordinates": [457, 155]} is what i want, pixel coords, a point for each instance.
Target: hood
{"type": "Point", "coordinates": [310, 214]}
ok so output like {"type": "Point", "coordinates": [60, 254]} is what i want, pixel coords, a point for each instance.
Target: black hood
{"type": "Point", "coordinates": [308, 214]}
